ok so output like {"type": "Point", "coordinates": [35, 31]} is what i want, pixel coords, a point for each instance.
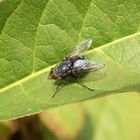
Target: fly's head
{"type": "Point", "coordinates": [53, 74]}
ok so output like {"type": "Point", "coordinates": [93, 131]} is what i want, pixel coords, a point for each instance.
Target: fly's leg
{"type": "Point", "coordinates": [79, 82]}
{"type": "Point", "coordinates": [85, 85]}
{"type": "Point", "coordinates": [57, 88]}
{"type": "Point", "coordinates": [56, 91]}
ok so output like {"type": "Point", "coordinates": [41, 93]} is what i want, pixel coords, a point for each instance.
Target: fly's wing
{"type": "Point", "coordinates": [87, 66]}
{"type": "Point", "coordinates": [81, 47]}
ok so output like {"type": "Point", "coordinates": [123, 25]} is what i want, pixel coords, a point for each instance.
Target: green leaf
{"type": "Point", "coordinates": [114, 117]}
{"type": "Point", "coordinates": [35, 35]}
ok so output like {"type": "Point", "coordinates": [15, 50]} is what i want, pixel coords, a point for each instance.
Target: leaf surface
{"type": "Point", "coordinates": [35, 35]}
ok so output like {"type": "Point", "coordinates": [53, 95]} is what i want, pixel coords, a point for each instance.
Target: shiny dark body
{"type": "Point", "coordinates": [69, 67]}
{"type": "Point", "coordinates": [74, 64]}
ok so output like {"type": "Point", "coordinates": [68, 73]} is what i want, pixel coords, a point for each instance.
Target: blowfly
{"type": "Point", "coordinates": [75, 64]}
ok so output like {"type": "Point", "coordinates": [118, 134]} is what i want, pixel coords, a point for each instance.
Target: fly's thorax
{"type": "Point", "coordinates": [63, 68]}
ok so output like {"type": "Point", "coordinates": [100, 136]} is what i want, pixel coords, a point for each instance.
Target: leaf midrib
{"type": "Point", "coordinates": [34, 51]}
{"type": "Point", "coordinates": [35, 74]}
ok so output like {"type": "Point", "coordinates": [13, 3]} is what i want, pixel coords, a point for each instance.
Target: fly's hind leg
{"type": "Point", "coordinates": [79, 82]}
{"type": "Point", "coordinates": [85, 85]}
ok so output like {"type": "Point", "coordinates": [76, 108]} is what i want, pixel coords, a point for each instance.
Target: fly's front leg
{"type": "Point", "coordinates": [58, 82]}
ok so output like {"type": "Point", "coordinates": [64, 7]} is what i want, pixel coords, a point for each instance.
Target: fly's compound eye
{"type": "Point", "coordinates": [53, 74]}
{"type": "Point", "coordinates": [50, 73]}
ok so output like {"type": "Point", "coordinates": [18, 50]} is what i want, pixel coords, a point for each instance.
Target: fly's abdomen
{"type": "Point", "coordinates": [78, 63]}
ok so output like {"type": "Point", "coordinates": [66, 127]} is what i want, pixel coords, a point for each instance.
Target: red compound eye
{"type": "Point", "coordinates": [52, 74]}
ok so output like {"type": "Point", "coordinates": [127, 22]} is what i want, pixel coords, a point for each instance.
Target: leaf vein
{"type": "Point", "coordinates": [84, 21]}
{"type": "Point", "coordinates": [34, 53]}
{"type": "Point", "coordinates": [48, 68]}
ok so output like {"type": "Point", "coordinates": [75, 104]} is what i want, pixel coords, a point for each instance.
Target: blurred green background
{"type": "Point", "coordinates": [115, 117]}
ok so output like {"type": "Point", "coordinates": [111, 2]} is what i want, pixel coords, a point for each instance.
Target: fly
{"type": "Point", "coordinates": [75, 64]}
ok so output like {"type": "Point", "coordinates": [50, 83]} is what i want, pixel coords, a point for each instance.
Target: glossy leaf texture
{"type": "Point", "coordinates": [35, 35]}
